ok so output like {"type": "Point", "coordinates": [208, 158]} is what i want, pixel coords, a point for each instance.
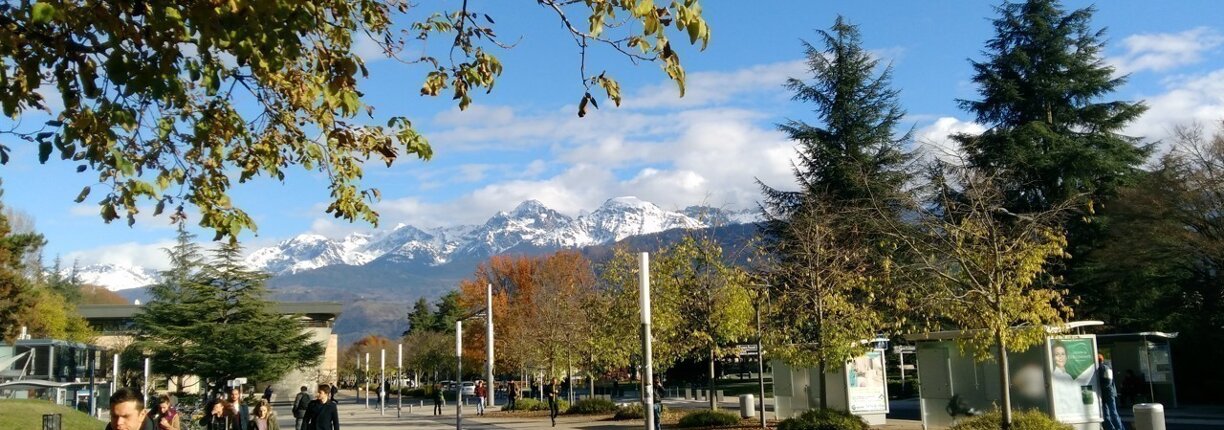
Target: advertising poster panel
{"type": "Point", "coordinates": [867, 387]}
{"type": "Point", "coordinates": [1073, 379]}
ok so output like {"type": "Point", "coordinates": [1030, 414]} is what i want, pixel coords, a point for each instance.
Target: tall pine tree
{"type": "Point", "coordinates": [221, 314]}
{"type": "Point", "coordinates": [1050, 135]}
{"type": "Point", "coordinates": [168, 323]}
{"type": "Point", "coordinates": [850, 160]}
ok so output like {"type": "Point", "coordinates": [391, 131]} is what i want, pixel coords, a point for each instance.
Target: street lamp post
{"type": "Point", "coordinates": [648, 371]}
{"type": "Point", "coordinates": [490, 389]}
{"type": "Point", "coordinates": [399, 380]}
{"type": "Point", "coordinates": [760, 363]}
{"type": "Point", "coordinates": [459, 374]}
{"type": "Point", "coordinates": [382, 382]}
{"type": "Point", "coordinates": [365, 380]}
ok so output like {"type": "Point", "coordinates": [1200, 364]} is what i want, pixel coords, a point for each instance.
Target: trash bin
{"type": "Point", "coordinates": [1149, 416]}
{"type": "Point", "coordinates": [52, 422]}
{"type": "Point", "coordinates": [747, 406]}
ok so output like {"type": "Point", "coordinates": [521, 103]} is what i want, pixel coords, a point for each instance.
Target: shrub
{"type": "Point", "coordinates": [824, 419]}
{"type": "Point", "coordinates": [535, 405]}
{"type": "Point", "coordinates": [631, 411]}
{"type": "Point", "coordinates": [415, 392]}
{"type": "Point", "coordinates": [1021, 420]}
{"type": "Point", "coordinates": [592, 406]}
{"type": "Point", "coordinates": [708, 418]}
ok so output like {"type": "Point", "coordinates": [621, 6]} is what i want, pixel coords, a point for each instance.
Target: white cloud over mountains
{"type": "Point", "coordinates": [1165, 51]}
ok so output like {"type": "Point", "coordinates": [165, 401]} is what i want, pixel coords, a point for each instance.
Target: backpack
{"type": "Point", "coordinates": [300, 404]}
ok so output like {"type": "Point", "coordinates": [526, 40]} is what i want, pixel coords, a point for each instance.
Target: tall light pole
{"type": "Point", "coordinates": [648, 381]}
{"type": "Point", "coordinates": [146, 379]}
{"type": "Point", "coordinates": [490, 390]}
{"type": "Point", "coordinates": [365, 381]}
{"type": "Point", "coordinates": [399, 380]}
{"type": "Point", "coordinates": [459, 374]}
{"type": "Point", "coordinates": [115, 375]}
{"type": "Point", "coordinates": [760, 361]}
{"type": "Point", "coordinates": [382, 382]}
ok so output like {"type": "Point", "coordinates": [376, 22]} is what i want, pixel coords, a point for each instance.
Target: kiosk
{"type": "Point", "coordinates": [1057, 377]}
{"type": "Point", "coordinates": [859, 387]}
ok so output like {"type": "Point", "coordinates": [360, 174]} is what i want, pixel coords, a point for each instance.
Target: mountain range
{"type": "Point", "coordinates": [377, 274]}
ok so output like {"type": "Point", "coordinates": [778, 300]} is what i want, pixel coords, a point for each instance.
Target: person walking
{"type": "Point", "coordinates": [268, 393]}
{"type": "Point", "coordinates": [658, 402]}
{"type": "Point", "coordinates": [321, 414]}
{"type": "Point", "coordinates": [551, 391]}
{"type": "Point", "coordinates": [438, 399]}
{"type": "Point", "coordinates": [535, 388]}
{"type": "Point", "coordinates": [263, 418]}
{"type": "Point", "coordinates": [300, 402]}
{"type": "Point", "coordinates": [127, 411]}
{"type": "Point", "coordinates": [1109, 396]}
{"type": "Point", "coordinates": [165, 416]}
{"type": "Point", "coordinates": [238, 408]}
{"type": "Point", "coordinates": [512, 393]}
{"type": "Point", "coordinates": [220, 417]}
{"type": "Point", "coordinates": [480, 392]}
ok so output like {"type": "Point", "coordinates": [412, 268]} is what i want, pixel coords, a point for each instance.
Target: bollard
{"type": "Point", "coordinates": [1149, 416]}
{"type": "Point", "coordinates": [52, 422]}
{"type": "Point", "coordinates": [747, 406]}
{"type": "Point", "coordinates": [688, 393]}
{"type": "Point", "coordinates": [718, 396]}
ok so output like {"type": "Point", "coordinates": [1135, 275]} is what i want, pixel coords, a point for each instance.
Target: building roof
{"type": "Point", "coordinates": [314, 310]}
{"type": "Point", "coordinates": [957, 334]}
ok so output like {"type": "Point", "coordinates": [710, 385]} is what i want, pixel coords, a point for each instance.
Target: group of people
{"type": "Point", "coordinates": [127, 412]}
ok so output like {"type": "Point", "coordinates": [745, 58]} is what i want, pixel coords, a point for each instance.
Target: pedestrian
{"type": "Point", "coordinates": [552, 390]}
{"type": "Point", "coordinates": [238, 408]}
{"type": "Point", "coordinates": [658, 402]}
{"type": "Point", "coordinates": [512, 393]}
{"type": "Point", "coordinates": [321, 413]}
{"type": "Point", "coordinates": [164, 416]}
{"type": "Point", "coordinates": [386, 390]}
{"type": "Point", "coordinates": [333, 392]}
{"type": "Point", "coordinates": [127, 411]}
{"type": "Point", "coordinates": [1109, 396]}
{"type": "Point", "coordinates": [220, 417]}
{"type": "Point", "coordinates": [268, 394]}
{"type": "Point", "coordinates": [535, 388]}
{"type": "Point", "coordinates": [438, 399]}
{"type": "Point", "coordinates": [264, 418]}
{"type": "Point", "coordinates": [300, 403]}
{"type": "Point", "coordinates": [1132, 384]}
{"type": "Point", "coordinates": [616, 387]}
{"type": "Point", "coordinates": [480, 392]}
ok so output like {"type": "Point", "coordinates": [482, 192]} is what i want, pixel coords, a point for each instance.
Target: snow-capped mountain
{"type": "Point", "coordinates": [116, 277]}
{"type": "Point", "coordinates": [529, 226]}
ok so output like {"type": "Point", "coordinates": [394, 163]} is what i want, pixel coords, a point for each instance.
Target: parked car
{"type": "Point", "coordinates": [469, 388]}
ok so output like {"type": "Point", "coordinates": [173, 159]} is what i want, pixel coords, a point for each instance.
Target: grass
{"type": "Point", "coordinates": [27, 414]}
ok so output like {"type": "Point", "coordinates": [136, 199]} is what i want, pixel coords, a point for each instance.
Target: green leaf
{"type": "Point", "coordinates": [82, 195]}
{"type": "Point", "coordinates": [44, 151]}
{"type": "Point", "coordinates": [41, 13]}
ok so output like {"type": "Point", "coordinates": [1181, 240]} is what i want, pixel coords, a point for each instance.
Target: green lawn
{"type": "Point", "coordinates": [27, 414]}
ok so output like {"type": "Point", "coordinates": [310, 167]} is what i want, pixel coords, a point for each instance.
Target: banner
{"type": "Point", "coordinates": [1073, 380]}
{"type": "Point", "coordinates": [866, 386]}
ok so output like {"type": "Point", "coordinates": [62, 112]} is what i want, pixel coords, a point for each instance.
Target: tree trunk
{"type": "Point", "coordinates": [824, 392]}
{"type": "Point", "coordinates": [1004, 380]}
{"type": "Point", "coordinates": [713, 399]}
{"type": "Point", "coordinates": [591, 379]}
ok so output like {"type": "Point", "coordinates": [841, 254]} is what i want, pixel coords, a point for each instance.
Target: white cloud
{"type": "Point", "coordinates": [1165, 51]}
{"type": "Point", "coordinates": [147, 255]}
{"type": "Point", "coordinates": [935, 139]}
{"type": "Point", "coordinates": [1188, 99]}
{"type": "Point", "coordinates": [711, 88]}
{"type": "Point", "coordinates": [368, 49]}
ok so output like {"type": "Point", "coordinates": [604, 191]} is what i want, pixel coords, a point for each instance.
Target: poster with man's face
{"type": "Point", "coordinates": [1072, 379]}
{"type": "Point", "coordinates": [867, 386]}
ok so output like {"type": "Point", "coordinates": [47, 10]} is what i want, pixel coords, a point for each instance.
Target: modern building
{"type": "Point", "coordinates": [51, 369]}
{"type": "Point", "coordinates": [115, 324]}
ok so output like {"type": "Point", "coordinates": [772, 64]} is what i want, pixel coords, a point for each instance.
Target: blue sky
{"type": "Point", "coordinates": [525, 141]}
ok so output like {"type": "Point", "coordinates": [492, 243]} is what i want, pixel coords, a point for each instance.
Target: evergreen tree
{"type": "Point", "coordinates": [449, 311]}
{"type": "Point", "coordinates": [233, 331]}
{"type": "Point", "coordinates": [849, 160]}
{"type": "Point", "coordinates": [168, 323]}
{"type": "Point", "coordinates": [1050, 137]}
{"type": "Point", "coordinates": [68, 286]}
{"type": "Point", "coordinates": [15, 295]}
{"type": "Point", "coordinates": [420, 318]}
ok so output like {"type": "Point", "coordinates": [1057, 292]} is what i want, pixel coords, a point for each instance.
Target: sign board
{"type": "Point", "coordinates": [866, 384]}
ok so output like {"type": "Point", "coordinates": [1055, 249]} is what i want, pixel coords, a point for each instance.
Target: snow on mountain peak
{"type": "Point", "coordinates": [115, 277]}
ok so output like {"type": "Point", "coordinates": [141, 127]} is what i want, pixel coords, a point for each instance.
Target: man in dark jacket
{"type": "Point", "coordinates": [300, 403]}
{"type": "Point", "coordinates": [321, 414]}
{"type": "Point", "coordinates": [240, 410]}
{"type": "Point", "coordinates": [127, 411]}
{"type": "Point", "coordinates": [1109, 396]}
